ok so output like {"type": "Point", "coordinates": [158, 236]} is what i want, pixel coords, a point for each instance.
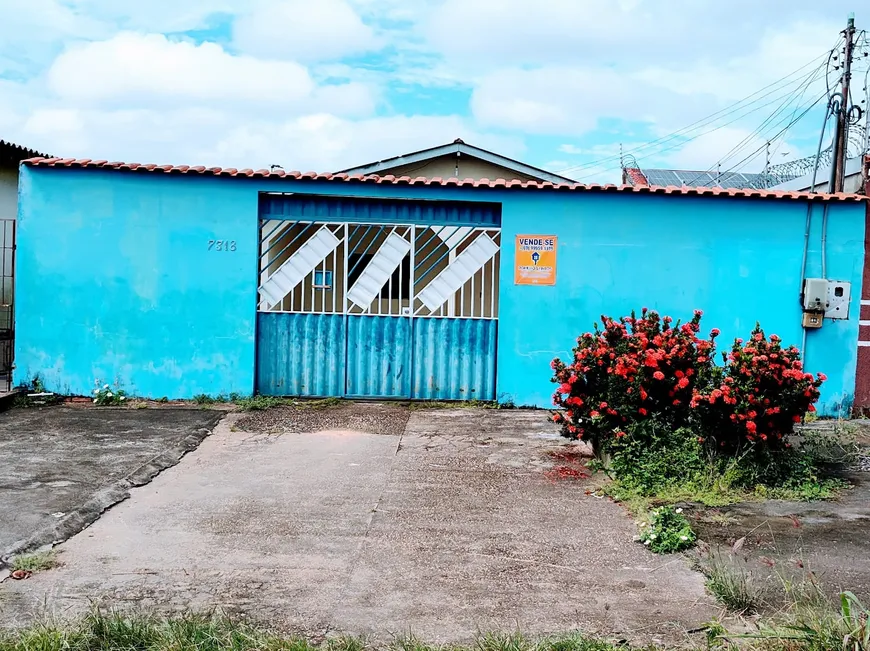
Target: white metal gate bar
{"type": "Point", "coordinates": [408, 270]}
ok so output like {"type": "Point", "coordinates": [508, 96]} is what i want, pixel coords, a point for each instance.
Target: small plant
{"type": "Point", "coordinates": [261, 403]}
{"type": "Point", "coordinates": [667, 531]}
{"type": "Point", "coordinates": [106, 396]}
{"type": "Point", "coordinates": [204, 399]}
{"type": "Point", "coordinates": [162, 400]}
{"type": "Point", "coordinates": [36, 562]}
{"type": "Point", "coordinates": [733, 587]}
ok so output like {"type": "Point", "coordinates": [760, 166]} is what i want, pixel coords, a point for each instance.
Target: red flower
{"type": "Point", "coordinates": [683, 383]}
{"type": "Point", "coordinates": [796, 418]}
{"type": "Point", "coordinates": [714, 332]}
{"type": "Point", "coordinates": [603, 405]}
{"type": "Point", "coordinates": [822, 377]}
{"type": "Point", "coordinates": [811, 408]}
{"type": "Point", "coordinates": [643, 395]}
{"type": "Point", "coordinates": [700, 439]}
{"type": "Point", "coordinates": [658, 375]}
{"type": "Point", "coordinates": [565, 388]}
{"type": "Point", "coordinates": [619, 435]}
{"type": "Point", "coordinates": [594, 414]}
{"type": "Point", "coordinates": [642, 411]}
{"type": "Point", "coordinates": [557, 418]}
{"type": "Point", "coordinates": [750, 427]}
{"type": "Point", "coordinates": [676, 403]}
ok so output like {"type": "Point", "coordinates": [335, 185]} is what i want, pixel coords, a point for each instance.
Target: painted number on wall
{"type": "Point", "coordinates": [221, 245]}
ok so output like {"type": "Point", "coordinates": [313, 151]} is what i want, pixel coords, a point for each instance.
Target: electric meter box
{"type": "Point", "coordinates": [839, 295]}
{"type": "Point", "coordinates": [815, 294]}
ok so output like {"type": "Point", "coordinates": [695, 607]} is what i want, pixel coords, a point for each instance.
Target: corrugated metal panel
{"type": "Point", "coordinates": [378, 356]}
{"type": "Point", "coordinates": [380, 211]}
{"type": "Point", "coordinates": [300, 354]}
{"type": "Point", "coordinates": [454, 359]}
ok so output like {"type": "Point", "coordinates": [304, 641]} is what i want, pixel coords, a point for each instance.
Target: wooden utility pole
{"type": "Point", "coordinates": [841, 142]}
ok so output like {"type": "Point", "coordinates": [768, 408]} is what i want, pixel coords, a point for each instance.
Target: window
{"type": "Point", "coordinates": [322, 279]}
{"type": "Point", "coordinates": [399, 283]}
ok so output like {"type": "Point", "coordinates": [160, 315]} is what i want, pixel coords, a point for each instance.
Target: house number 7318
{"type": "Point", "coordinates": [221, 245]}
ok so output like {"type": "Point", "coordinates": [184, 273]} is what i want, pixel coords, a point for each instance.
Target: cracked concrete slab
{"type": "Point", "coordinates": [450, 528]}
{"type": "Point", "coordinates": [63, 466]}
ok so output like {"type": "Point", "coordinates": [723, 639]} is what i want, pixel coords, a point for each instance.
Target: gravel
{"type": "Point", "coordinates": [374, 418]}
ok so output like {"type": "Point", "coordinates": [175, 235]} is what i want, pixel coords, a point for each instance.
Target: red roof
{"type": "Point", "coordinates": [87, 163]}
{"type": "Point", "coordinates": [635, 176]}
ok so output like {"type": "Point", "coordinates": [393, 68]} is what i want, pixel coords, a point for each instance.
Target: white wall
{"type": "Point", "coordinates": [8, 192]}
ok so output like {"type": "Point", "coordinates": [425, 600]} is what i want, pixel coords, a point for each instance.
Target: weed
{"type": "Point", "coordinates": [113, 631]}
{"type": "Point", "coordinates": [260, 403]}
{"type": "Point", "coordinates": [106, 396]}
{"type": "Point", "coordinates": [36, 562]}
{"type": "Point", "coordinates": [204, 399]}
{"type": "Point", "coordinates": [733, 586]}
{"type": "Point", "coordinates": [460, 404]}
{"type": "Point", "coordinates": [667, 531]}
{"type": "Point", "coordinates": [163, 400]}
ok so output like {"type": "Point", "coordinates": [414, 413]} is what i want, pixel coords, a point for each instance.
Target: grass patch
{"type": "Point", "coordinates": [459, 404]}
{"type": "Point", "coordinates": [113, 631]}
{"type": "Point", "coordinates": [734, 587]}
{"type": "Point", "coordinates": [36, 562]}
{"type": "Point", "coordinates": [261, 403]}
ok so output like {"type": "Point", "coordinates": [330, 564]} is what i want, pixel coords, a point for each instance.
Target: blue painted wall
{"type": "Point", "coordinates": [114, 279]}
{"type": "Point", "coordinates": [116, 283]}
{"type": "Point", "coordinates": [738, 260]}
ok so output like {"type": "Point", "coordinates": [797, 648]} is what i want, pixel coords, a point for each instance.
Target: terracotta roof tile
{"type": "Point", "coordinates": [390, 179]}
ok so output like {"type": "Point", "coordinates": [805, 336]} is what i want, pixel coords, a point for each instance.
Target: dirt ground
{"type": "Point", "coordinates": [826, 543]}
{"type": "Point", "coordinates": [376, 520]}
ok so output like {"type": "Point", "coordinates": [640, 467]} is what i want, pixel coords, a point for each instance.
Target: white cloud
{"type": "Point", "coordinates": [326, 142]}
{"type": "Point", "coordinates": [153, 15]}
{"type": "Point", "coordinates": [303, 30]}
{"type": "Point", "coordinates": [144, 69]}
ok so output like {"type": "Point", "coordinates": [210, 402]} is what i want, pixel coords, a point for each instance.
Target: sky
{"type": "Point", "coordinates": [329, 84]}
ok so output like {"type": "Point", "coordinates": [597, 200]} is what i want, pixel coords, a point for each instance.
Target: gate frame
{"type": "Point", "coordinates": [415, 230]}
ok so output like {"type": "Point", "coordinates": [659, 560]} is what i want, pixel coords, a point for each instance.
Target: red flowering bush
{"type": "Point", "coordinates": [637, 369]}
{"type": "Point", "coordinates": [759, 395]}
{"type": "Point", "coordinates": [633, 369]}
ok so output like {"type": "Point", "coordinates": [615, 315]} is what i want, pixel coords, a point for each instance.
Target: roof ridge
{"type": "Point", "coordinates": [86, 163]}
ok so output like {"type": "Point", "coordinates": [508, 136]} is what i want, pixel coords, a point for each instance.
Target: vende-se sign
{"type": "Point", "coordinates": [535, 260]}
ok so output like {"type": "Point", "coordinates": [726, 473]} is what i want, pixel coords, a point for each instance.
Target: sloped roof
{"type": "Point", "coordinates": [461, 147]}
{"type": "Point", "coordinates": [12, 154]}
{"type": "Point", "coordinates": [88, 164]}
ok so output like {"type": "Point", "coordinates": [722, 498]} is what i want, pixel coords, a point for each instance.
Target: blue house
{"type": "Point", "coordinates": [177, 281]}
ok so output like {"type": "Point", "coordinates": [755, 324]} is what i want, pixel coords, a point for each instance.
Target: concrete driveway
{"type": "Point", "coordinates": [452, 523]}
{"type": "Point", "coordinates": [63, 466]}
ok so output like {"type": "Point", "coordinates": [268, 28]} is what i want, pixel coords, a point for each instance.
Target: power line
{"type": "Point", "coordinates": [760, 94]}
{"type": "Point", "coordinates": [758, 131]}
{"type": "Point", "coordinates": [740, 165]}
{"type": "Point", "coordinates": [682, 143]}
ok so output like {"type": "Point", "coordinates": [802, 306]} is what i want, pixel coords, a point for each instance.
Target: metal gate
{"type": "Point", "coordinates": [371, 298]}
{"type": "Point", "coordinates": [7, 293]}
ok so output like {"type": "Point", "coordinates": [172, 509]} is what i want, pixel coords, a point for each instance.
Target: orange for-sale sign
{"type": "Point", "coordinates": [535, 260]}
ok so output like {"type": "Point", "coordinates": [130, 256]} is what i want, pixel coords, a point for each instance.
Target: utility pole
{"type": "Point", "coordinates": [841, 140]}
{"type": "Point", "coordinates": [767, 165]}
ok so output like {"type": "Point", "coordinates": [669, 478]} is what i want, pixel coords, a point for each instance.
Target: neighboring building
{"type": "Point", "coordinates": [862, 388]}
{"type": "Point", "coordinates": [10, 157]}
{"type": "Point", "coordinates": [177, 281]}
{"type": "Point", "coordinates": [691, 178]}
{"type": "Point", "coordinates": [853, 182]}
{"type": "Point", "coordinates": [457, 160]}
